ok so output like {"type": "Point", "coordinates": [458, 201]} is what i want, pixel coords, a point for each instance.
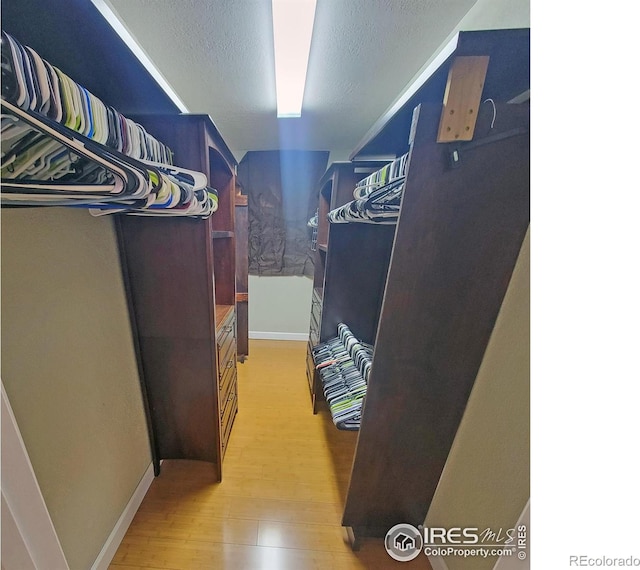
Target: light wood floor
{"type": "Point", "coordinates": [279, 506]}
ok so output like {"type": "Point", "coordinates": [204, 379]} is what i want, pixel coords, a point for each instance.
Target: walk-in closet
{"type": "Point", "coordinates": [230, 351]}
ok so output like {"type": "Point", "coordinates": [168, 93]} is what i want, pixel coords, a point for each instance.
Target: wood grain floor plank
{"type": "Point", "coordinates": [279, 506]}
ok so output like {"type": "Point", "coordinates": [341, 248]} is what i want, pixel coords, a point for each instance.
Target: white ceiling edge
{"type": "Point", "coordinates": [110, 14]}
{"type": "Point", "coordinates": [435, 61]}
{"type": "Point", "coordinates": [483, 15]}
{"type": "Point", "coordinates": [332, 123]}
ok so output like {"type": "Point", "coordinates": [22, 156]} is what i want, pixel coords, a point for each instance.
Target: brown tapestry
{"type": "Point", "coordinates": [282, 190]}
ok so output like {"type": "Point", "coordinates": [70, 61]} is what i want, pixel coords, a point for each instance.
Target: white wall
{"type": "Point", "coordinates": [279, 307]}
{"type": "Point", "coordinates": [497, 14]}
{"type": "Point", "coordinates": [70, 372]}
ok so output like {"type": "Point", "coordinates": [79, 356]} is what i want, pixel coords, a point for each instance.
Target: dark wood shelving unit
{"type": "Point", "coordinates": [335, 188]}
{"type": "Point", "coordinates": [179, 273]}
{"type": "Point", "coordinates": [182, 280]}
{"type": "Point", "coordinates": [426, 292]}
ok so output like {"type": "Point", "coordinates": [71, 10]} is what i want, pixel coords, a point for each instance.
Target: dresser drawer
{"type": "Point", "coordinates": [228, 381]}
{"type": "Point", "coordinates": [314, 327]}
{"type": "Point", "coordinates": [226, 328]}
{"type": "Point", "coordinates": [226, 358]}
{"type": "Point", "coordinates": [229, 414]}
{"type": "Point", "coordinates": [225, 343]}
{"type": "Point", "coordinates": [229, 398]}
{"type": "Point", "coordinates": [226, 332]}
{"type": "Point", "coordinates": [316, 310]}
{"type": "Point", "coordinates": [226, 346]}
{"type": "Point", "coordinates": [311, 367]}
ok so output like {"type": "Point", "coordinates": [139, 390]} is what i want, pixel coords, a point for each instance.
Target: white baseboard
{"type": "Point", "coordinates": [119, 530]}
{"type": "Point", "coordinates": [264, 335]}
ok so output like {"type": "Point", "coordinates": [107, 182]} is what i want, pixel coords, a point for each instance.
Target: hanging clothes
{"type": "Point", "coordinates": [344, 364]}
{"type": "Point", "coordinates": [377, 197]}
{"type": "Point", "coordinates": [61, 146]}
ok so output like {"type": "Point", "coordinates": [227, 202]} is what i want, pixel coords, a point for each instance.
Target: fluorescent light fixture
{"type": "Point", "coordinates": [114, 21]}
{"type": "Point", "coordinates": [292, 30]}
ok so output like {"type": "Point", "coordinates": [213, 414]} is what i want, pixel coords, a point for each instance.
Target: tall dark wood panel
{"type": "Point", "coordinates": [182, 281]}
{"type": "Point", "coordinates": [242, 274]}
{"type": "Point", "coordinates": [454, 253]}
{"type": "Point", "coordinates": [427, 291]}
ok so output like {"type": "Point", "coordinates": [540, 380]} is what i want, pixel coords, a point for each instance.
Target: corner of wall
{"type": "Point", "coordinates": [486, 479]}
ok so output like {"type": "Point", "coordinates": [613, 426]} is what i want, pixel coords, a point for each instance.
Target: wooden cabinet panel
{"type": "Point", "coordinates": [182, 391]}
{"type": "Point", "coordinates": [164, 278]}
{"type": "Point", "coordinates": [242, 275]}
{"type": "Point", "coordinates": [437, 317]}
{"type": "Point", "coordinates": [427, 291]}
{"type": "Point", "coordinates": [181, 276]}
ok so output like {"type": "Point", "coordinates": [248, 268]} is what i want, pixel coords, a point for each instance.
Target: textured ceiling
{"type": "Point", "coordinates": [218, 57]}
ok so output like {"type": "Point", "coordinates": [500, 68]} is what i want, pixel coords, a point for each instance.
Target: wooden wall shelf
{"type": "Point", "coordinates": [222, 234]}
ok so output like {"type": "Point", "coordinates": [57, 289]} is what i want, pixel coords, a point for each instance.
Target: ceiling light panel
{"type": "Point", "coordinates": [292, 31]}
